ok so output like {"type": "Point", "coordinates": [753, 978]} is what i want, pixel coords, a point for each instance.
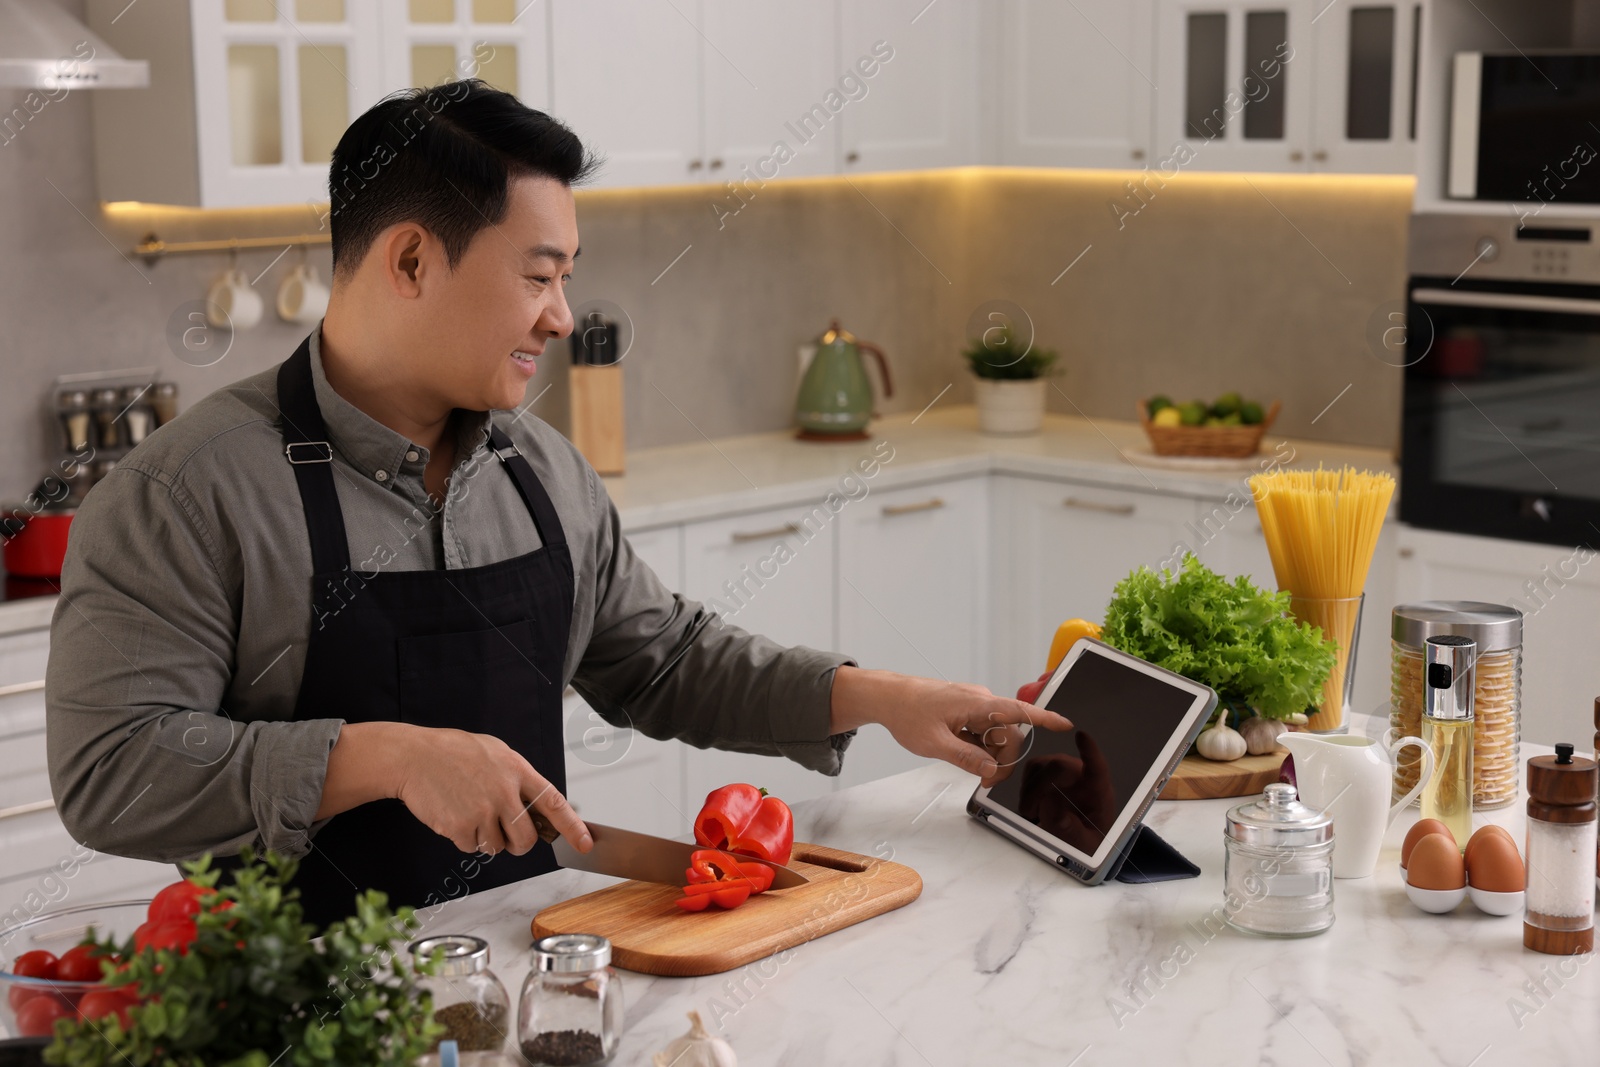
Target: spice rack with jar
{"type": "Point", "coordinates": [101, 416]}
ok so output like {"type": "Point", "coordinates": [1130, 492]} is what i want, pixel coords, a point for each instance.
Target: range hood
{"type": "Point", "coordinates": [43, 47]}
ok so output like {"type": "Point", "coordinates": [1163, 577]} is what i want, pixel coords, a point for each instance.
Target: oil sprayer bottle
{"type": "Point", "coordinates": [1447, 728]}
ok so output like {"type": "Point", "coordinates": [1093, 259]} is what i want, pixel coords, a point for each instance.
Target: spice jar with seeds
{"type": "Point", "coordinates": [1497, 691]}
{"type": "Point", "coordinates": [468, 999]}
{"type": "Point", "coordinates": [571, 1007]}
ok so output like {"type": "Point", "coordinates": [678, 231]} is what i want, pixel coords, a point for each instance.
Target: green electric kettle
{"type": "Point", "coordinates": [835, 398]}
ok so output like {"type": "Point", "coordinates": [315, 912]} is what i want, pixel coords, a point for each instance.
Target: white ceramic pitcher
{"type": "Point", "coordinates": [1350, 777]}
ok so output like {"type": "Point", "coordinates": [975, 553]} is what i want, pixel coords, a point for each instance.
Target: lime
{"type": "Point", "coordinates": [1250, 413]}
{"type": "Point", "coordinates": [1157, 403]}
{"type": "Point", "coordinates": [1225, 405]}
{"type": "Point", "coordinates": [1192, 413]}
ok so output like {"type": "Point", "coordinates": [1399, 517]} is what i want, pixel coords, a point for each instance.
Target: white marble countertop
{"type": "Point", "coordinates": [710, 479]}
{"type": "Point", "coordinates": [1005, 960]}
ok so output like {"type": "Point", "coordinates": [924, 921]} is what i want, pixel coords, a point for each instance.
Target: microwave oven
{"type": "Point", "coordinates": [1525, 127]}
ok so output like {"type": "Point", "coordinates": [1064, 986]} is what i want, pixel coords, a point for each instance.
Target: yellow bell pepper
{"type": "Point", "coordinates": [1067, 635]}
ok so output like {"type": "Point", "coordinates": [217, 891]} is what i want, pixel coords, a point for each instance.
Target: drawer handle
{"type": "Point", "coordinates": [932, 504]}
{"type": "Point", "coordinates": [787, 529]}
{"type": "Point", "coordinates": [1095, 505]}
{"type": "Point", "coordinates": [21, 687]}
{"type": "Point", "coordinates": [1407, 552]}
{"type": "Point", "coordinates": [26, 809]}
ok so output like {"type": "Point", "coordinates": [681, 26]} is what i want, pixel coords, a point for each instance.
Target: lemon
{"type": "Point", "coordinates": [1168, 417]}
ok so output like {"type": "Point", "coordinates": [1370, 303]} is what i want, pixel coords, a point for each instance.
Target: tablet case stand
{"type": "Point", "coordinates": [1148, 858]}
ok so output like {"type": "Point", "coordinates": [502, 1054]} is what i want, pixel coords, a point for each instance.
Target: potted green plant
{"type": "Point", "coordinates": [1009, 380]}
{"type": "Point", "coordinates": [246, 983]}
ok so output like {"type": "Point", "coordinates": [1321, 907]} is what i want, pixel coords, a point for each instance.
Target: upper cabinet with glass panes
{"type": "Point", "coordinates": [249, 97]}
{"type": "Point", "coordinates": [1286, 85]}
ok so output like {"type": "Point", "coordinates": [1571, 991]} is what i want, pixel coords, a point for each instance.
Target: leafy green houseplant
{"type": "Point", "coordinates": [1234, 637]}
{"type": "Point", "coordinates": [253, 989]}
{"type": "Point", "coordinates": [1009, 381]}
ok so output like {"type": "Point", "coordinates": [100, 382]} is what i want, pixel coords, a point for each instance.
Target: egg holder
{"type": "Point", "coordinates": [1443, 901]}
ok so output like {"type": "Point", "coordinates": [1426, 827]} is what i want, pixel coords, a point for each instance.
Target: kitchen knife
{"type": "Point", "coordinates": [626, 854]}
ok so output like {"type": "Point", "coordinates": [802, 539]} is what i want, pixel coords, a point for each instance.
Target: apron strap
{"type": "Point", "coordinates": [528, 484]}
{"type": "Point", "coordinates": [308, 449]}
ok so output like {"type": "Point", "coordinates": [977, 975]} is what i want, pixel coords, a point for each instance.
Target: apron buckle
{"type": "Point", "coordinates": [506, 453]}
{"type": "Point", "coordinates": [322, 452]}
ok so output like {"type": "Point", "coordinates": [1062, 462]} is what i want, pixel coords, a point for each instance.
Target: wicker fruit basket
{"type": "Point", "coordinates": [1230, 442]}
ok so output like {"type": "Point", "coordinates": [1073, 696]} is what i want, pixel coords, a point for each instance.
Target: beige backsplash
{"type": "Point", "coordinates": [1265, 284]}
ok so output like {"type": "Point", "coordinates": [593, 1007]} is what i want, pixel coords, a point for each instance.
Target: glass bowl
{"type": "Point", "coordinates": [55, 932]}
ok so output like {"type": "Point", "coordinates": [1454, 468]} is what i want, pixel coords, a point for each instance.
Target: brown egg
{"type": "Point", "coordinates": [1493, 862]}
{"type": "Point", "coordinates": [1417, 833]}
{"type": "Point", "coordinates": [1436, 863]}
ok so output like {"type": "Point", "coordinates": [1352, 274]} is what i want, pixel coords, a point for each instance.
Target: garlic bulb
{"type": "Point", "coordinates": [697, 1048]}
{"type": "Point", "coordinates": [1261, 735]}
{"type": "Point", "coordinates": [1220, 742]}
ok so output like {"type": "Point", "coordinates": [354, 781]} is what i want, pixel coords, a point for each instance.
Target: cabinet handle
{"type": "Point", "coordinates": [1407, 553]}
{"type": "Point", "coordinates": [1095, 505]}
{"type": "Point", "coordinates": [1137, 153]}
{"type": "Point", "coordinates": [932, 504]}
{"type": "Point", "coordinates": [1297, 156]}
{"type": "Point", "coordinates": [21, 687]}
{"type": "Point", "coordinates": [785, 530]}
{"type": "Point", "coordinates": [852, 157]}
{"type": "Point", "coordinates": [696, 164]}
{"type": "Point", "coordinates": [716, 164]}
{"type": "Point", "coordinates": [26, 809]}
{"type": "Point", "coordinates": [1320, 155]}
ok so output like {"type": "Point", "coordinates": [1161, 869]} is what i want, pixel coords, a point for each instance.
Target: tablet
{"type": "Point", "coordinates": [1076, 797]}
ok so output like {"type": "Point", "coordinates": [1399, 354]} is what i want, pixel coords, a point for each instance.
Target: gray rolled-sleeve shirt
{"type": "Point", "coordinates": [185, 612]}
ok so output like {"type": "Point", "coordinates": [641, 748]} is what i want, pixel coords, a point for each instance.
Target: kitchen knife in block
{"type": "Point", "coordinates": [595, 395]}
{"type": "Point", "coordinates": [651, 934]}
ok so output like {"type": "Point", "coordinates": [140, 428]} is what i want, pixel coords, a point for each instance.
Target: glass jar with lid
{"type": "Point", "coordinates": [1278, 875]}
{"type": "Point", "coordinates": [1497, 691]}
{"type": "Point", "coordinates": [468, 999]}
{"type": "Point", "coordinates": [571, 1007]}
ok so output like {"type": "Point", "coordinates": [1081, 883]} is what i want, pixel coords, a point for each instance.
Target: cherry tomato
{"type": "Point", "coordinates": [99, 1003]}
{"type": "Point", "coordinates": [20, 995]}
{"type": "Point", "coordinates": [80, 963]}
{"type": "Point", "coordinates": [180, 900]}
{"type": "Point", "coordinates": [35, 964]}
{"type": "Point", "coordinates": [37, 1017]}
{"type": "Point", "coordinates": [176, 935]}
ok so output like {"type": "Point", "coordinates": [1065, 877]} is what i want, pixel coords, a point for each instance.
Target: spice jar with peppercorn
{"type": "Point", "coordinates": [571, 1007]}
{"type": "Point", "coordinates": [468, 999]}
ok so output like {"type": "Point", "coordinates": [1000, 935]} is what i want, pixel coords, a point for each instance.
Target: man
{"type": "Point", "coordinates": [331, 610]}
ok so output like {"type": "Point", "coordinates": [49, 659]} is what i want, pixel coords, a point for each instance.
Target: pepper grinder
{"type": "Point", "coordinates": [1559, 913]}
{"type": "Point", "coordinates": [1448, 684]}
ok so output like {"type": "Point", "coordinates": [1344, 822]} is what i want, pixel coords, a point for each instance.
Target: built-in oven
{"type": "Point", "coordinates": [1501, 430]}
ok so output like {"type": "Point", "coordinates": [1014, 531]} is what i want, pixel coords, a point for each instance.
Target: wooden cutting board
{"type": "Point", "coordinates": [1198, 778]}
{"type": "Point", "coordinates": [651, 934]}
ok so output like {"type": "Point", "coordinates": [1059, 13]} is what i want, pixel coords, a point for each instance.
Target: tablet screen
{"type": "Point", "coordinates": [1074, 783]}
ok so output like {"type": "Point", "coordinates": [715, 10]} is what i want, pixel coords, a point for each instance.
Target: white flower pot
{"type": "Point", "coordinates": [1010, 407]}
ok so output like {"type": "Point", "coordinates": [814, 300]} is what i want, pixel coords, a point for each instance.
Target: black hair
{"type": "Point", "coordinates": [442, 157]}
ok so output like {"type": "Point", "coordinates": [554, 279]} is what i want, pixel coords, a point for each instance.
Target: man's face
{"type": "Point", "coordinates": [506, 297]}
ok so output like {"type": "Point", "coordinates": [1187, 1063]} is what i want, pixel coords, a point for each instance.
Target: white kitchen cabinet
{"type": "Point", "coordinates": [913, 581]}
{"type": "Point", "coordinates": [627, 79]}
{"type": "Point", "coordinates": [772, 573]}
{"type": "Point", "coordinates": [618, 776]}
{"type": "Point", "coordinates": [920, 109]}
{"type": "Point", "coordinates": [504, 42]}
{"type": "Point", "coordinates": [1062, 551]}
{"type": "Point", "coordinates": [1558, 590]}
{"type": "Point", "coordinates": [1075, 82]}
{"type": "Point", "coordinates": [1228, 539]}
{"type": "Point", "coordinates": [661, 549]}
{"type": "Point", "coordinates": [246, 99]}
{"type": "Point", "coordinates": [1239, 83]}
{"type": "Point", "coordinates": [44, 867]}
{"type": "Point", "coordinates": [769, 67]}
{"type": "Point", "coordinates": [1363, 101]}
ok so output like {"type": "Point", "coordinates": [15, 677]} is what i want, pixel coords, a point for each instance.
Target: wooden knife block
{"type": "Point", "coordinates": [597, 415]}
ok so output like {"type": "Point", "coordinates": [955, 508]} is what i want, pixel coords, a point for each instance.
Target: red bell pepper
{"type": "Point", "coordinates": [744, 819]}
{"type": "Point", "coordinates": [720, 878]}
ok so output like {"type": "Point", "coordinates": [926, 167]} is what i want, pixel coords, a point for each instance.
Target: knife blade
{"type": "Point", "coordinates": [627, 854]}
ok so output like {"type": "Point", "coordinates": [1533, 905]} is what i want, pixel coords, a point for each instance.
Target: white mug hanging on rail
{"type": "Point", "coordinates": [232, 302]}
{"type": "Point", "coordinates": [302, 298]}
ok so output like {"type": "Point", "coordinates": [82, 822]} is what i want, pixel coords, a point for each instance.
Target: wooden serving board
{"type": "Point", "coordinates": [651, 934]}
{"type": "Point", "coordinates": [1198, 778]}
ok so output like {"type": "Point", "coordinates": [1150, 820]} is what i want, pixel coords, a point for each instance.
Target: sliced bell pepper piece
{"type": "Point", "coordinates": [731, 896]}
{"type": "Point", "coordinates": [709, 865]}
{"type": "Point", "coordinates": [744, 819]}
{"type": "Point", "coordinates": [698, 903]}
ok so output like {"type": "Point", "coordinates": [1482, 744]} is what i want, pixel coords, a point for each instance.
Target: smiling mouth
{"type": "Point", "coordinates": [525, 358]}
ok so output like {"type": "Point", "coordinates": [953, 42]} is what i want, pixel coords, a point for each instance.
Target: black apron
{"type": "Point", "coordinates": [479, 649]}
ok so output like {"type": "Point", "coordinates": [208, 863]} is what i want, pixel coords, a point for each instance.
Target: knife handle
{"type": "Point", "coordinates": [547, 830]}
